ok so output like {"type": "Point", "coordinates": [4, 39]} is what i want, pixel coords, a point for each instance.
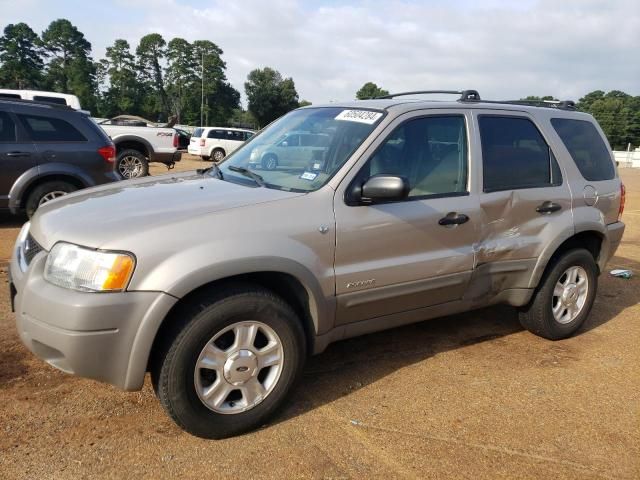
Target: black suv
{"type": "Point", "coordinates": [47, 151]}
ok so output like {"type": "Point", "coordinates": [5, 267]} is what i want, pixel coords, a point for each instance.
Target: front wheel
{"type": "Point", "coordinates": [232, 363]}
{"type": "Point", "coordinates": [270, 162]}
{"type": "Point", "coordinates": [564, 298]}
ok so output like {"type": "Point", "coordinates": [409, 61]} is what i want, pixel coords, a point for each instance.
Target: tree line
{"type": "Point", "coordinates": [157, 80]}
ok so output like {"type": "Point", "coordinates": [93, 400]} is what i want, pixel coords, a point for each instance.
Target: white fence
{"type": "Point", "coordinates": [627, 159]}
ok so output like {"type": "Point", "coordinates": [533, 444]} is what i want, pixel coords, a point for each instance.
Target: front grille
{"type": "Point", "coordinates": [30, 248]}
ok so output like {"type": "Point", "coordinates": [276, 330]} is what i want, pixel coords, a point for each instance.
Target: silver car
{"type": "Point", "coordinates": [419, 209]}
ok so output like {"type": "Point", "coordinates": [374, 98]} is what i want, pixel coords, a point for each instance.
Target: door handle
{"type": "Point", "coordinates": [18, 154]}
{"type": "Point", "coordinates": [548, 207]}
{"type": "Point", "coordinates": [453, 218]}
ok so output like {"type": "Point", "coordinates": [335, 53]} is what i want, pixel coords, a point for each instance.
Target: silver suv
{"type": "Point", "coordinates": [419, 209]}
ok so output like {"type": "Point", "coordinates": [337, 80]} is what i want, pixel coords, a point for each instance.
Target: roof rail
{"type": "Point", "coordinates": [35, 102]}
{"type": "Point", "coordinates": [465, 95]}
{"type": "Point", "coordinates": [559, 104]}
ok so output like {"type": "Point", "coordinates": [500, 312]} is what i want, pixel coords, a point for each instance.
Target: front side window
{"type": "Point", "coordinates": [586, 147]}
{"type": "Point", "coordinates": [515, 155]}
{"type": "Point", "coordinates": [302, 168]}
{"type": "Point", "coordinates": [47, 129]}
{"type": "Point", "coordinates": [430, 152]}
{"type": "Point", "coordinates": [7, 128]}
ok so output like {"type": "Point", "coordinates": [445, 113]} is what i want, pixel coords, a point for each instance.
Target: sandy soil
{"type": "Point", "coordinates": [467, 396]}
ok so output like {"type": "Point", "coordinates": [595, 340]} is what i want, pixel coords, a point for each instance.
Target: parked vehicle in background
{"type": "Point", "coordinates": [216, 143]}
{"type": "Point", "coordinates": [420, 209]}
{"type": "Point", "coordinates": [47, 151]}
{"type": "Point", "coordinates": [41, 96]}
{"type": "Point", "coordinates": [138, 143]}
{"type": "Point", "coordinates": [184, 138]}
{"type": "Point", "coordinates": [294, 149]}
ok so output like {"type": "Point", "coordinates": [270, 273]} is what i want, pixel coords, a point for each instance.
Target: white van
{"type": "Point", "coordinates": [216, 143]}
{"type": "Point", "coordinates": [40, 96]}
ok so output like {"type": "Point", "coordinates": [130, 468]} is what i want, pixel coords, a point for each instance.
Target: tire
{"type": "Point", "coordinates": [270, 162]}
{"type": "Point", "coordinates": [558, 307]}
{"type": "Point", "coordinates": [205, 158]}
{"type": "Point", "coordinates": [132, 164]}
{"type": "Point", "coordinates": [218, 155]}
{"type": "Point", "coordinates": [181, 384]}
{"type": "Point", "coordinates": [45, 192]}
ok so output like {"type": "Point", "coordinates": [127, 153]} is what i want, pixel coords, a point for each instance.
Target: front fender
{"type": "Point", "coordinates": [40, 172]}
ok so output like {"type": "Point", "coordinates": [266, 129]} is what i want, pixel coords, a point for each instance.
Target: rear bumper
{"type": "Point", "coordinates": [93, 335]}
{"type": "Point", "coordinates": [613, 236]}
{"type": "Point", "coordinates": [168, 158]}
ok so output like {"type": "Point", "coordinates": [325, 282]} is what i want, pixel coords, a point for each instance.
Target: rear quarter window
{"type": "Point", "coordinates": [586, 147]}
{"type": "Point", "coordinates": [47, 129]}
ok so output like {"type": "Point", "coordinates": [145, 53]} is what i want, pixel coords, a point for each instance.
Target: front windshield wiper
{"type": "Point", "coordinates": [248, 173]}
{"type": "Point", "coordinates": [214, 168]}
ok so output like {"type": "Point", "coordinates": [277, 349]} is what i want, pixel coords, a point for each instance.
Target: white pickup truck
{"type": "Point", "coordinates": [139, 142]}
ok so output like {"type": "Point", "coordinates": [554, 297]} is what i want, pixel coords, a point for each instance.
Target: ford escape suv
{"type": "Point", "coordinates": [420, 209]}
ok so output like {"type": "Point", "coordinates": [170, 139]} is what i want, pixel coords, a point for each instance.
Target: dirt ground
{"type": "Point", "coordinates": [467, 396]}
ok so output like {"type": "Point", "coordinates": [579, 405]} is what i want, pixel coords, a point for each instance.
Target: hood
{"type": "Point", "coordinates": [94, 216]}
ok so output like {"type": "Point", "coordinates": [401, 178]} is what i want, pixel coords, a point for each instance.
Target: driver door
{"type": "Point", "coordinates": [397, 256]}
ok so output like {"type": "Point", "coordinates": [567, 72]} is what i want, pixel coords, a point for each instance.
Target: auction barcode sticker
{"type": "Point", "coordinates": [361, 116]}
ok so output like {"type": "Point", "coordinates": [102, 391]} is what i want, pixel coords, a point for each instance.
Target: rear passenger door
{"type": "Point", "coordinates": [525, 201]}
{"type": "Point", "coordinates": [17, 154]}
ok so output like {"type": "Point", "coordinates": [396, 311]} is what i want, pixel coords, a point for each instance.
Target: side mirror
{"type": "Point", "coordinates": [384, 188]}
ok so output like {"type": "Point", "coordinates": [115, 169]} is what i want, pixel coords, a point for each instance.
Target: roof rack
{"type": "Point", "coordinates": [559, 104]}
{"type": "Point", "coordinates": [465, 95]}
{"type": "Point", "coordinates": [35, 102]}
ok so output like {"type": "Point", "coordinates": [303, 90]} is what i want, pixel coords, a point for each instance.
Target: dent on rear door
{"type": "Point", "coordinates": [513, 234]}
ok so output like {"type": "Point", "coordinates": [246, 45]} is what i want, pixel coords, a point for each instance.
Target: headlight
{"type": "Point", "coordinates": [79, 268]}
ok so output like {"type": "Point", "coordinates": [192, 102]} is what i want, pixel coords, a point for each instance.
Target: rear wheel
{"type": "Point", "coordinates": [132, 164]}
{"type": "Point", "coordinates": [232, 363]}
{"type": "Point", "coordinates": [564, 297]}
{"type": "Point", "coordinates": [46, 192]}
{"type": "Point", "coordinates": [269, 162]}
{"type": "Point", "coordinates": [218, 155]}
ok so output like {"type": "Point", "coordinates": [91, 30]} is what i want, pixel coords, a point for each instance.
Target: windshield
{"type": "Point", "coordinates": [301, 151]}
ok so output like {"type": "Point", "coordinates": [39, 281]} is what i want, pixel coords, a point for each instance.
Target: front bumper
{"type": "Point", "coordinates": [103, 336]}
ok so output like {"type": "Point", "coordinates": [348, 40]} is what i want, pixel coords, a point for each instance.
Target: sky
{"type": "Point", "coordinates": [503, 49]}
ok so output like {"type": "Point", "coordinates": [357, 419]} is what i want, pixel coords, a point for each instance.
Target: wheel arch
{"type": "Point", "coordinates": [36, 176]}
{"type": "Point", "coordinates": [130, 142]}
{"type": "Point", "coordinates": [590, 239]}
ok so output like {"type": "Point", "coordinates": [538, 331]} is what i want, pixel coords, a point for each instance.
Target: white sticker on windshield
{"type": "Point", "coordinates": [360, 116]}
{"type": "Point", "coordinates": [308, 176]}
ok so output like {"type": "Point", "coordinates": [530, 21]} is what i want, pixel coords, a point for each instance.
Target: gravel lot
{"type": "Point", "coordinates": [467, 396]}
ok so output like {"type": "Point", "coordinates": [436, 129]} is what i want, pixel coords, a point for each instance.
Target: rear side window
{"type": "Point", "coordinates": [219, 134]}
{"type": "Point", "coordinates": [7, 128]}
{"type": "Point", "coordinates": [46, 129]}
{"type": "Point", "coordinates": [515, 155]}
{"type": "Point", "coordinates": [56, 100]}
{"type": "Point", "coordinates": [586, 147]}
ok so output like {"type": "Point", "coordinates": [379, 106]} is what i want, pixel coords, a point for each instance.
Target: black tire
{"type": "Point", "coordinates": [132, 164]}
{"type": "Point", "coordinates": [38, 194]}
{"type": "Point", "coordinates": [269, 162]}
{"type": "Point", "coordinates": [538, 317]}
{"type": "Point", "coordinates": [199, 321]}
{"type": "Point", "coordinates": [218, 155]}
{"type": "Point", "coordinates": [205, 158]}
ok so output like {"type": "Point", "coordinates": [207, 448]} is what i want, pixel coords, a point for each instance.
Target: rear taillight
{"type": "Point", "coordinates": [175, 140]}
{"type": "Point", "coordinates": [623, 195]}
{"type": "Point", "coordinates": [202, 142]}
{"type": "Point", "coordinates": [108, 153]}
